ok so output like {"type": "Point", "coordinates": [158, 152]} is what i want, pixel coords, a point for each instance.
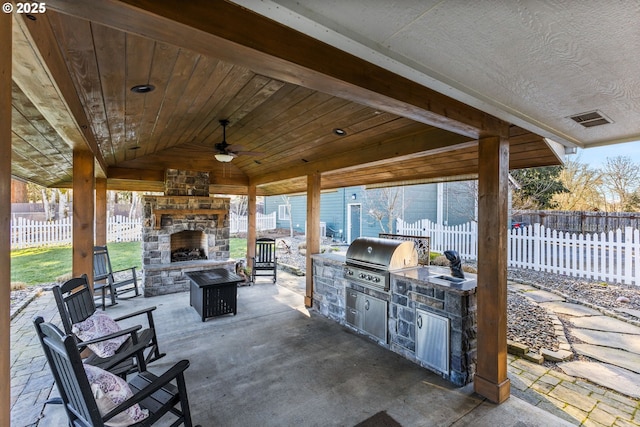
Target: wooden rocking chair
{"type": "Point", "coordinates": [265, 263]}
{"type": "Point", "coordinates": [153, 393]}
{"type": "Point", "coordinates": [115, 282]}
{"type": "Point", "coordinates": [76, 304]}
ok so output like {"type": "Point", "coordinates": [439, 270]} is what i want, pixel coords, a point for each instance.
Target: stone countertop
{"type": "Point", "coordinates": [331, 256]}
{"type": "Point", "coordinates": [422, 275]}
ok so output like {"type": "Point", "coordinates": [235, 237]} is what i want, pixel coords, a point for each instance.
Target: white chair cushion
{"type": "Point", "coordinates": [98, 325]}
{"type": "Point", "coordinates": [110, 391]}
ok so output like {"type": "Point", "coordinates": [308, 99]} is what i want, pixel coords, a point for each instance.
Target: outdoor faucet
{"type": "Point", "coordinates": [455, 263]}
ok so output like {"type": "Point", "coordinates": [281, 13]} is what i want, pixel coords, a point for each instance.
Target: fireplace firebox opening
{"type": "Point", "coordinates": [188, 245]}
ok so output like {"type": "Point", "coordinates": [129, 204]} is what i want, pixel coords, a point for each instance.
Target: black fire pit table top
{"type": "Point", "coordinates": [215, 276]}
{"type": "Point", "coordinates": [213, 292]}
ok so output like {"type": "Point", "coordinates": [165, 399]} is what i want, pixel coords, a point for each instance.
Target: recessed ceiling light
{"type": "Point", "coordinates": [339, 132]}
{"type": "Point", "coordinates": [142, 88]}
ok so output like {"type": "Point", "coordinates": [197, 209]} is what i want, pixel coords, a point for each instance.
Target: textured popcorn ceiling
{"type": "Point", "coordinates": [533, 63]}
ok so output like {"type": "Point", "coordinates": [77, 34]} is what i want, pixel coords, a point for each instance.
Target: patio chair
{"type": "Point", "coordinates": [92, 397]}
{"type": "Point", "coordinates": [76, 304]}
{"type": "Point", "coordinates": [265, 261]}
{"type": "Point", "coordinates": [115, 282]}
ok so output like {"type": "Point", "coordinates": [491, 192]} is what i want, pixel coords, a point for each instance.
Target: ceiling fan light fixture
{"type": "Point", "coordinates": [223, 158]}
{"type": "Point", "coordinates": [339, 132]}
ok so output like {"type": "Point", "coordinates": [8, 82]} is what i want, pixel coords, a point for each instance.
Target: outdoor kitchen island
{"type": "Point", "coordinates": [430, 316]}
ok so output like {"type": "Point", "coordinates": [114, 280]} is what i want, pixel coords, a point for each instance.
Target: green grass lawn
{"type": "Point", "coordinates": [34, 266]}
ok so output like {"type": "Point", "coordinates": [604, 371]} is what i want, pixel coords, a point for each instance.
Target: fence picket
{"type": "Point", "coordinates": [609, 256]}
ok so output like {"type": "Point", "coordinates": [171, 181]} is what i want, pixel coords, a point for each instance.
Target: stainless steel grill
{"type": "Point", "coordinates": [369, 260]}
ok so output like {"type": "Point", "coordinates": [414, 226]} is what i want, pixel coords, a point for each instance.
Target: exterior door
{"type": "Point", "coordinates": [355, 222]}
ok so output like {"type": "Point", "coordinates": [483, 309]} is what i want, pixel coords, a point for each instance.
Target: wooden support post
{"type": "Point", "coordinates": [313, 231]}
{"type": "Point", "coordinates": [493, 171]}
{"type": "Point", "coordinates": [5, 216]}
{"type": "Point", "coordinates": [251, 225]}
{"type": "Point", "coordinates": [101, 211]}
{"type": "Point", "coordinates": [83, 212]}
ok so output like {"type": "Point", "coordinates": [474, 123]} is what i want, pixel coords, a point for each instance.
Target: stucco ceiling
{"type": "Point", "coordinates": [530, 63]}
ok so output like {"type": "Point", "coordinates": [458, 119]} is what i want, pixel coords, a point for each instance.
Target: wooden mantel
{"type": "Point", "coordinates": [181, 213]}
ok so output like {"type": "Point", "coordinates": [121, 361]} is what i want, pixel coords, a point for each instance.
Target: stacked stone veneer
{"type": "Point", "coordinates": [186, 183]}
{"type": "Point", "coordinates": [329, 287]}
{"type": "Point", "coordinates": [406, 295]}
{"type": "Point", "coordinates": [410, 294]}
{"type": "Point", "coordinates": [188, 191]}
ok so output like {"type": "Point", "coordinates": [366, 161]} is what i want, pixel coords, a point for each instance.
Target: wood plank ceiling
{"type": "Point", "coordinates": [288, 128]}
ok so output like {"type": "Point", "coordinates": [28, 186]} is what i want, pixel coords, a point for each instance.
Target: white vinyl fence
{"type": "Point", "coordinates": [608, 256]}
{"type": "Point", "coordinates": [27, 233]}
{"type": "Point", "coordinates": [238, 224]}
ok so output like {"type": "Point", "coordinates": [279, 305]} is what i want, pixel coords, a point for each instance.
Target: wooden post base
{"type": "Point", "coordinates": [496, 393]}
{"type": "Point", "coordinates": [308, 302]}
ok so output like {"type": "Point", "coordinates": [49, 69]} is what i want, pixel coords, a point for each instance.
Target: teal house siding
{"type": "Point", "coordinates": [339, 209]}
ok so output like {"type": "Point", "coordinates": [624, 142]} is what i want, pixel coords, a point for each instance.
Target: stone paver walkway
{"type": "Point", "coordinates": [31, 379]}
{"type": "Point", "coordinates": [603, 391]}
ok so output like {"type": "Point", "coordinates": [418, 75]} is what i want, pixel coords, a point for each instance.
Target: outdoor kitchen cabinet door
{"type": "Point", "coordinates": [375, 317]}
{"type": "Point", "coordinates": [367, 314]}
{"type": "Point", "coordinates": [432, 340]}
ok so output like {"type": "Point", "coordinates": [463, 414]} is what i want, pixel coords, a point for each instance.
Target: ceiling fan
{"type": "Point", "coordinates": [226, 152]}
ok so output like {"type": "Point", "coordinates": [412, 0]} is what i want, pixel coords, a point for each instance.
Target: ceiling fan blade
{"type": "Point", "coordinates": [248, 153]}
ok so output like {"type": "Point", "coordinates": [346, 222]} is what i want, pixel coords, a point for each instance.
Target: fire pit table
{"type": "Point", "coordinates": [213, 292]}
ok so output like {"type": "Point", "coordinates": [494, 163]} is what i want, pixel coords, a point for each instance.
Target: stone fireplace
{"type": "Point", "coordinates": [184, 230]}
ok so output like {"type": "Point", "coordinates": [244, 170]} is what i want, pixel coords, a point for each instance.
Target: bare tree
{"type": "Point", "coordinates": [620, 177]}
{"type": "Point", "coordinates": [463, 200]}
{"type": "Point", "coordinates": [287, 204]}
{"type": "Point", "coordinates": [584, 187]}
{"type": "Point", "coordinates": [239, 205]}
{"type": "Point", "coordinates": [384, 203]}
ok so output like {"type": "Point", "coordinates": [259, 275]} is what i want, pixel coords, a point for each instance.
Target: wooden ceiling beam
{"type": "Point", "coordinates": [404, 148]}
{"type": "Point", "coordinates": [135, 174]}
{"type": "Point", "coordinates": [211, 27]}
{"type": "Point", "coordinates": [41, 73]}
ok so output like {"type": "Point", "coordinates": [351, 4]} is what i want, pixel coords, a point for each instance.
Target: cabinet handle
{"type": "Point", "coordinates": [419, 322]}
{"type": "Point", "coordinates": [366, 305]}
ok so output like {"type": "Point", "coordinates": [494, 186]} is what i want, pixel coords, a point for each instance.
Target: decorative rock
{"type": "Point", "coordinates": [556, 356]}
{"type": "Point", "coordinates": [623, 299]}
{"type": "Point", "coordinates": [516, 348]}
{"type": "Point", "coordinates": [534, 357]}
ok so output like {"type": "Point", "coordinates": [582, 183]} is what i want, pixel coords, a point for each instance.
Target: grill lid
{"type": "Point", "coordinates": [383, 254]}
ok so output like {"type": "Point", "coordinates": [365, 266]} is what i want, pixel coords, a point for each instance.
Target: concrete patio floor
{"type": "Point", "coordinates": [277, 364]}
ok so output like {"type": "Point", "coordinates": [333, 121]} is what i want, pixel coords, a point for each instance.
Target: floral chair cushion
{"type": "Point", "coordinates": [110, 391]}
{"type": "Point", "coordinates": [98, 325]}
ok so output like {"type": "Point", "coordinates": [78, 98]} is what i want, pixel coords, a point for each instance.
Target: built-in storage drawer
{"type": "Point", "coordinates": [432, 340]}
{"type": "Point", "coordinates": [367, 314]}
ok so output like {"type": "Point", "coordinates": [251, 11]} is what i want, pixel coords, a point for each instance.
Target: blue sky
{"type": "Point", "coordinates": [597, 156]}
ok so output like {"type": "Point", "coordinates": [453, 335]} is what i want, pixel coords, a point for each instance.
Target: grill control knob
{"type": "Point", "coordinates": [369, 277]}
{"type": "Point", "coordinates": [362, 275]}
{"type": "Point", "coordinates": [350, 272]}
{"type": "Point", "coordinates": [376, 279]}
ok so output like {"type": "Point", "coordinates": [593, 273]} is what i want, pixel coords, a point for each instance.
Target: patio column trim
{"type": "Point", "coordinates": [251, 224]}
{"type": "Point", "coordinates": [313, 230]}
{"type": "Point", "coordinates": [5, 216]}
{"type": "Point", "coordinates": [493, 170]}
{"type": "Point", "coordinates": [101, 211]}
{"type": "Point", "coordinates": [83, 213]}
